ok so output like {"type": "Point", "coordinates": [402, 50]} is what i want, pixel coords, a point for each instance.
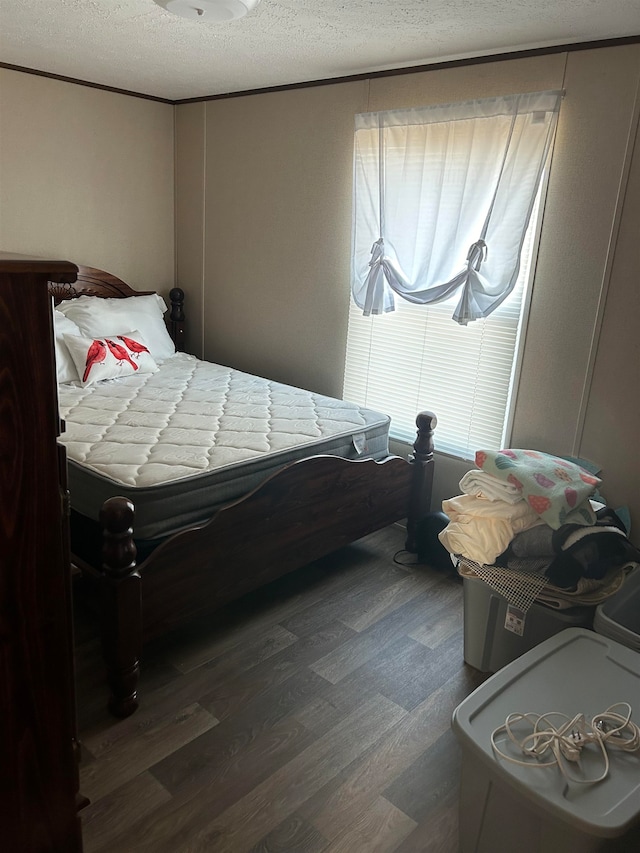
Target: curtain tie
{"type": "Point", "coordinates": [375, 285]}
{"type": "Point", "coordinates": [377, 251]}
{"type": "Point", "coordinates": [477, 254]}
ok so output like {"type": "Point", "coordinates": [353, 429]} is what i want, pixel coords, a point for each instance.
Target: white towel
{"type": "Point", "coordinates": [481, 529]}
{"type": "Point", "coordinates": [481, 484]}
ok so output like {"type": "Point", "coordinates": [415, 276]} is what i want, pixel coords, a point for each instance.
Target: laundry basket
{"type": "Point", "coordinates": [495, 634]}
{"type": "Point", "coordinates": [619, 616]}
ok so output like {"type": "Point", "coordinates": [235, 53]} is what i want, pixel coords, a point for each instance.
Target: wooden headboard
{"type": "Point", "coordinates": [95, 282]}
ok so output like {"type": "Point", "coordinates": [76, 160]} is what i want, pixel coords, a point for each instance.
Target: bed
{"type": "Point", "coordinates": [192, 484]}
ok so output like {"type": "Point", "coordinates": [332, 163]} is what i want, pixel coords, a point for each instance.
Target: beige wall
{"type": "Point", "coordinates": [262, 195]}
{"type": "Point", "coordinates": [276, 225]}
{"type": "Point", "coordinates": [190, 199]}
{"type": "Point", "coordinates": [88, 176]}
{"type": "Point", "coordinates": [588, 163]}
{"type": "Point", "coordinates": [612, 413]}
{"type": "Point", "coordinates": [278, 232]}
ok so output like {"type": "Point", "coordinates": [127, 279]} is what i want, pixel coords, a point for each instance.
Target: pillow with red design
{"type": "Point", "coordinates": [558, 490]}
{"type": "Point", "coordinates": [110, 357]}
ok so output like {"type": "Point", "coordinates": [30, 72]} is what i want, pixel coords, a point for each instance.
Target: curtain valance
{"type": "Point", "coordinates": [442, 200]}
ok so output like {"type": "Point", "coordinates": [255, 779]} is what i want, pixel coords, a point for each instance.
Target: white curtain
{"type": "Point", "coordinates": [442, 199]}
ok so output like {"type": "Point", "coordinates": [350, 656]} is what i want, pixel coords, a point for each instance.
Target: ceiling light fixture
{"type": "Point", "coordinates": [209, 11]}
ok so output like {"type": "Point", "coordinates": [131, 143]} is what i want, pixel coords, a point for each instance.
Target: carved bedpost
{"type": "Point", "coordinates": [422, 478]}
{"type": "Point", "coordinates": [176, 317]}
{"type": "Point", "coordinates": [121, 604]}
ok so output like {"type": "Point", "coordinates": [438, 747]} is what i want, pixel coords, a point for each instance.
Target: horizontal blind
{"type": "Point", "coordinates": [417, 358]}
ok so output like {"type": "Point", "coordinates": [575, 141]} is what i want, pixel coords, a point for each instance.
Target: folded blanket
{"type": "Point", "coordinates": [556, 489]}
{"type": "Point", "coordinates": [535, 543]}
{"type": "Point", "coordinates": [482, 484]}
{"type": "Point", "coordinates": [481, 529]}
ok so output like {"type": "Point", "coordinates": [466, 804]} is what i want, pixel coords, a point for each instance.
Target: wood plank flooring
{"type": "Point", "coordinates": [313, 716]}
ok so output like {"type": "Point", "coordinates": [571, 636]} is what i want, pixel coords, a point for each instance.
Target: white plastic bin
{"type": "Point", "coordinates": [506, 808]}
{"type": "Point", "coordinates": [488, 645]}
{"type": "Point", "coordinates": [619, 616]}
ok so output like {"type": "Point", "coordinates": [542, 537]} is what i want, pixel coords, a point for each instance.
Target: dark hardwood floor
{"type": "Point", "coordinates": [311, 717]}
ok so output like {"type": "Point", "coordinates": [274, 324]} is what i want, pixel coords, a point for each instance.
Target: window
{"type": "Point", "coordinates": [428, 207]}
{"type": "Point", "coordinates": [417, 358]}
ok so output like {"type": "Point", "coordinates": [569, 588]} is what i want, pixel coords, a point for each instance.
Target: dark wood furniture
{"type": "Point", "coordinates": [307, 509]}
{"type": "Point", "coordinates": [38, 752]}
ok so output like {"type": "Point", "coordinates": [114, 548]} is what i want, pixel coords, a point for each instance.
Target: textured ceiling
{"type": "Point", "coordinates": [137, 46]}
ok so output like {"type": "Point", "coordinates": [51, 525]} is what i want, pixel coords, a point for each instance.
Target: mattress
{"type": "Point", "coordinates": [194, 435]}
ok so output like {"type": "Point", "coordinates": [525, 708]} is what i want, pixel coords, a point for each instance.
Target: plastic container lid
{"type": "Point", "coordinates": [575, 671]}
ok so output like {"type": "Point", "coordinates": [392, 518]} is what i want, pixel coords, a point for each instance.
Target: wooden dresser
{"type": "Point", "coordinates": [38, 763]}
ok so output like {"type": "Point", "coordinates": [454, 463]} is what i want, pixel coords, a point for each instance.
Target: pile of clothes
{"type": "Point", "coordinates": [532, 512]}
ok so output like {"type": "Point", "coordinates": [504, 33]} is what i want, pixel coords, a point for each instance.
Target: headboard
{"type": "Point", "coordinates": [95, 282]}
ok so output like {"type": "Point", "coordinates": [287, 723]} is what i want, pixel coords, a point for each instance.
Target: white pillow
{"type": "Point", "coordinates": [65, 367]}
{"type": "Point", "coordinates": [97, 317]}
{"type": "Point", "coordinates": [110, 357]}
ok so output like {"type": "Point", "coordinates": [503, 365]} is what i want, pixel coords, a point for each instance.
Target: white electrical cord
{"type": "Point", "coordinates": [566, 740]}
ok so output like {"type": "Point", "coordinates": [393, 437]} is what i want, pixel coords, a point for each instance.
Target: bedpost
{"type": "Point", "coordinates": [422, 477]}
{"type": "Point", "coordinates": [121, 605]}
{"type": "Point", "coordinates": [176, 318]}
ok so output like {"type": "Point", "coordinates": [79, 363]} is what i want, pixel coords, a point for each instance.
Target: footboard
{"type": "Point", "coordinates": [302, 512]}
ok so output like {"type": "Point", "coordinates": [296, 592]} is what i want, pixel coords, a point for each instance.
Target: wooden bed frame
{"type": "Point", "coordinates": [305, 510]}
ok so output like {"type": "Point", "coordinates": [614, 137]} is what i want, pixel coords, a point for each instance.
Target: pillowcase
{"type": "Point", "coordinates": [97, 317]}
{"type": "Point", "coordinates": [557, 490]}
{"type": "Point", "coordinates": [65, 367]}
{"type": "Point", "coordinates": [109, 357]}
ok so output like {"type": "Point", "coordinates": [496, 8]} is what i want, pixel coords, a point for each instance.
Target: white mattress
{"type": "Point", "coordinates": [182, 441]}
